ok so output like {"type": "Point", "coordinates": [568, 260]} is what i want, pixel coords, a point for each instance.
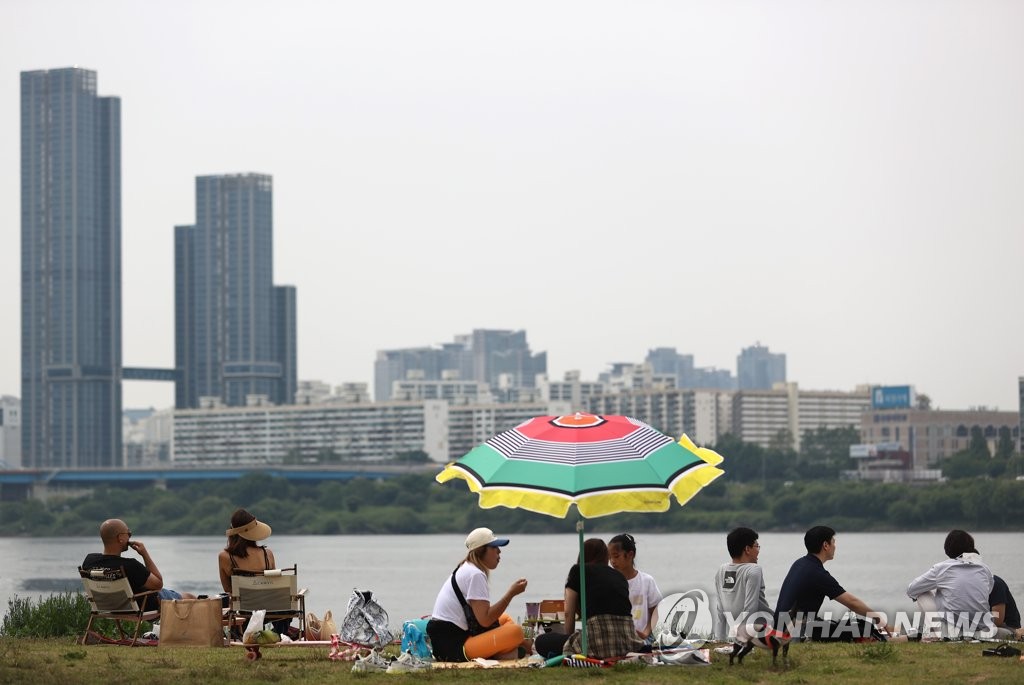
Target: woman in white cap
{"type": "Point", "coordinates": [464, 624]}
{"type": "Point", "coordinates": [242, 554]}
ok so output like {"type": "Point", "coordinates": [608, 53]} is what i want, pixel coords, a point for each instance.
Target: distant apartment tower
{"type": "Point", "coordinates": [665, 360]}
{"type": "Point", "coordinates": [497, 357]}
{"type": "Point", "coordinates": [70, 271]}
{"type": "Point", "coordinates": [234, 329]}
{"type": "Point", "coordinates": [759, 369]}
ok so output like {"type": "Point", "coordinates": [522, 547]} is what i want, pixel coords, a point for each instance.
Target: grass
{"type": "Point", "coordinates": [60, 660]}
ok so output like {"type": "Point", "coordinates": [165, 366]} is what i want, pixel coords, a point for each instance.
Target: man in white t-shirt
{"type": "Point", "coordinates": [739, 587]}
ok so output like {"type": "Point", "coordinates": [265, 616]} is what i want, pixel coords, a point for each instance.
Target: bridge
{"type": "Point", "coordinates": [46, 483]}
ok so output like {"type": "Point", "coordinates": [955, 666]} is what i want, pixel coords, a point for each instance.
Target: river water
{"type": "Point", "coordinates": [406, 571]}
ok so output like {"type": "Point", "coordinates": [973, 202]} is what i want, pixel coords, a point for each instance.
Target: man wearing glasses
{"type": "Point", "coordinates": [117, 538]}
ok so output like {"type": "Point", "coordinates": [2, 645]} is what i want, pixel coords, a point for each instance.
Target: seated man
{"type": "Point", "coordinates": [141, 576]}
{"type": "Point", "coordinates": [739, 586]}
{"type": "Point", "coordinates": [805, 588]}
{"type": "Point", "coordinates": [958, 589]}
{"type": "Point", "coordinates": [1006, 616]}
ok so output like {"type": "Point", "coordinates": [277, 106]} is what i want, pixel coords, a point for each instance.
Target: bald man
{"type": "Point", "coordinates": [117, 538]}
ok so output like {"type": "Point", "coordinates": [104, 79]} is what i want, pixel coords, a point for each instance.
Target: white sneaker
{"type": "Point", "coordinates": [371, 663]}
{"type": "Point", "coordinates": [408, 662]}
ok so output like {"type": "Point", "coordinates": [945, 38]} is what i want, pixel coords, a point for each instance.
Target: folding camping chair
{"type": "Point", "coordinates": [110, 596]}
{"type": "Point", "coordinates": [274, 590]}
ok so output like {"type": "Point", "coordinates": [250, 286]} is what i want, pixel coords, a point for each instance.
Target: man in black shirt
{"type": "Point", "coordinates": [805, 588]}
{"type": "Point", "coordinates": [1007, 616]}
{"type": "Point", "coordinates": [117, 538]}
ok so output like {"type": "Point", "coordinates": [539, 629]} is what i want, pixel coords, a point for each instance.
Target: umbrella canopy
{"type": "Point", "coordinates": [601, 464]}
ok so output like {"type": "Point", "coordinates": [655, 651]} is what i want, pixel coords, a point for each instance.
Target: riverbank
{"type": "Point", "coordinates": [45, 662]}
{"type": "Point", "coordinates": [416, 504]}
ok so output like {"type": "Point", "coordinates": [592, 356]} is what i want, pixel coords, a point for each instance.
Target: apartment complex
{"type": "Point", "coordinates": [335, 431]}
{"type": "Point", "coordinates": [500, 358]}
{"type": "Point", "coordinates": [785, 413]}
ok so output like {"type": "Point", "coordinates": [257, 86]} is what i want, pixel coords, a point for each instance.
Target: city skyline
{"type": "Point", "coordinates": [699, 176]}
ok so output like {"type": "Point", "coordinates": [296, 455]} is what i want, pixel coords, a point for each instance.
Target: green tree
{"type": "Point", "coordinates": [979, 445]}
{"type": "Point", "coordinates": [1005, 446]}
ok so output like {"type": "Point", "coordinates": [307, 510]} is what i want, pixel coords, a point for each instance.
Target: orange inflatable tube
{"type": "Point", "coordinates": [505, 638]}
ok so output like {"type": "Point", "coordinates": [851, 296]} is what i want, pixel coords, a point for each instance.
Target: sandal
{"type": "Point", "coordinates": [1002, 650]}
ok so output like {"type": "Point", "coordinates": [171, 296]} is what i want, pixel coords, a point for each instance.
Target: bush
{"type": "Point", "coordinates": [58, 615]}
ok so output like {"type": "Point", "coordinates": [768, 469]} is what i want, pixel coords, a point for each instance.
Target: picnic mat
{"type": "Point", "coordinates": [484, 663]}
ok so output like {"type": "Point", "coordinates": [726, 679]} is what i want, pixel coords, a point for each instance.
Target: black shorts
{"type": "Point", "coordinates": [447, 640]}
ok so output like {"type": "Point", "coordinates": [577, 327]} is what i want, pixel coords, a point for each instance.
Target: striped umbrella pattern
{"type": "Point", "coordinates": [601, 464]}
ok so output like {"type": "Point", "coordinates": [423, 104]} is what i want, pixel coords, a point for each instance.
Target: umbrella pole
{"type": "Point", "coordinates": [583, 590]}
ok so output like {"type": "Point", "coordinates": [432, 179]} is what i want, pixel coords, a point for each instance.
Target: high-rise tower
{"type": "Point", "coordinates": [234, 330]}
{"type": "Point", "coordinates": [70, 271]}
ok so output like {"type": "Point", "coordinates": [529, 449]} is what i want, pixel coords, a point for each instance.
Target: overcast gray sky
{"type": "Point", "coordinates": [841, 181]}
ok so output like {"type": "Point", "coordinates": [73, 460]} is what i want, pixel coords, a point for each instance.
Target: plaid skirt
{"type": "Point", "coordinates": [607, 636]}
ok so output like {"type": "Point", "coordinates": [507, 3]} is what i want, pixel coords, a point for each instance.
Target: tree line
{"type": "Point", "coordinates": [416, 504]}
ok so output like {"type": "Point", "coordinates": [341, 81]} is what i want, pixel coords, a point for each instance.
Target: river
{"type": "Point", "coordinates": [406, 571]}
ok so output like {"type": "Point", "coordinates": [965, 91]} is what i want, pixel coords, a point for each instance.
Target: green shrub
{"type": "Point", "coordinates": [58, 615]}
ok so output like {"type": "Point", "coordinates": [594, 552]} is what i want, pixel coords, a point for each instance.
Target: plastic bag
{"type": "Point", "coordinates": [327, 627]}
{"type": "Point", "coordinates": [254, 626]}
{"type": "Point", "coordinates": [365, 622]}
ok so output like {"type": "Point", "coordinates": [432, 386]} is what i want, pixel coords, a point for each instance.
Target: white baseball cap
{"type": "Point", "coordinates": [483, 537]}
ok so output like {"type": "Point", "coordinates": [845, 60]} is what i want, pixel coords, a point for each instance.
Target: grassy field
{"type": "Point", "coordinates": [61, 662]}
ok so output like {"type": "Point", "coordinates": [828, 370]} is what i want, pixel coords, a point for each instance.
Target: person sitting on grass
{"type": "Point", "coordinates": [805, 588]}
{"type": "Point", "coordinates": [644, 594]}
{"type": "Point", "coordinates": [610, 629]}
{"type": "Point", "coordinates": [1005, 614]}
{"type": "Point", "coordinates": [739, 586]}
{"type": "Point", "coordinates": [957, 588]}
{"type": "Point", "coordinates": [465, 624]}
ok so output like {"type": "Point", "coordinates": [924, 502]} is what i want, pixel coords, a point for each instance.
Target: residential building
{"type": "Point", "coordinates": [70, 271]}
{"type": "Point", "coordinates": [337, 431]}
{"type": "Point", "coordinates": [10, 432]}
{"type": "Point", "coordinates": [665, 360]}
{"type": "Point", "coordinates": [234, 329]}
{"type": "Point", "coordinates": [501, 359]}
{"type": "Point", "coordinates": [759, 369]}
{"type": "Point", "coordinates": [932, 435]}
{"type": "Point", "coordinates": [571, 389]}
{"type": "Point", "coordinates": [781, 416]}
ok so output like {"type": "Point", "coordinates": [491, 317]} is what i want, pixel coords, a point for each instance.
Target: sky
{"type": "Point", "coordinates": [840, 181]}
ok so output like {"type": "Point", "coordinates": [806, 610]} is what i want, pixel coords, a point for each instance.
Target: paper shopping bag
{"type": "Point", "coordinates": [195, 622]}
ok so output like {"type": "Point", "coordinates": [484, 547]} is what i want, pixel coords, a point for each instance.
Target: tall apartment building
{"type": "Point", "coordinates": [234, 329]}
{"type": "Point", "coordinates": [70, 271]}
{"type": "Point", "coordinates": [759, 369]}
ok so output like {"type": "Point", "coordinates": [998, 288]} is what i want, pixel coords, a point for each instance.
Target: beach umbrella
{"type": "Point", "coordinates": [600, 464]}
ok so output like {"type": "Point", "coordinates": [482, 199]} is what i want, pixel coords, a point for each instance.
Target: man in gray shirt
{"type": "Point", "coordinates": [739, 586]}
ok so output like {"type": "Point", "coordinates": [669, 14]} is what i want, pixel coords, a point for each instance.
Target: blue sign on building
{"type": "Point", "coordinates": [892, 397]}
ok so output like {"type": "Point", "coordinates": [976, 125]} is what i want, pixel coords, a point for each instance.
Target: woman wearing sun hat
{"type": "Point", "coordinates": [243, 554]}
{"type": "Point", "coordinates": [464, 624]}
